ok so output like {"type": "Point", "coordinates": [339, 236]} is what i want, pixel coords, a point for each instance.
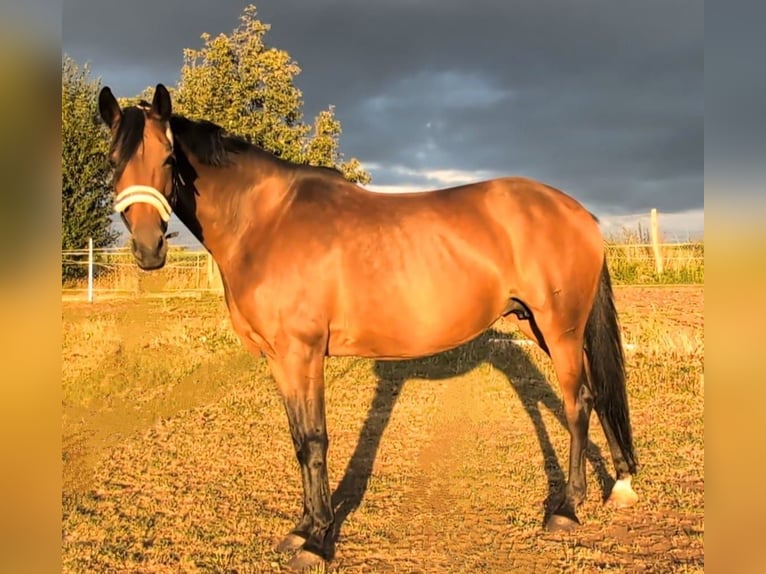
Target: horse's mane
{"type": "Point", "coordinates": [208, 142]}
{"type": "Point", "coordinates": [213, 145]}
{"type": "Point", "coordinates": [129, 136]}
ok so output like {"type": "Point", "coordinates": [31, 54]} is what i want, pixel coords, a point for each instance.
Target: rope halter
{"type": "Point", "coordinates": [142, 194]}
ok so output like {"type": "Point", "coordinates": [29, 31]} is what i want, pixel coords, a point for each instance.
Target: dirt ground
{"type": "Point", "coordinates": [177, 456]}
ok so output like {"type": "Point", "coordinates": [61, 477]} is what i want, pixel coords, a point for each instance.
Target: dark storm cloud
{"type": "Point", "coordinates": [603, 99]}
{"type": "Point", "coordinates": [139, 43]}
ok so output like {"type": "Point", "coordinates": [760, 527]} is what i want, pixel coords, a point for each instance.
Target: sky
{"type": "Point", "coordinates": [601, 99]}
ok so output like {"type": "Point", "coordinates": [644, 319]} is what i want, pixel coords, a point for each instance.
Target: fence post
{"type": "Point", "coordinates": [90, 270]}
{"type": "Point", "coordinates": [654, 230]}
{"type": "Point", "coordinates": [210, 271]}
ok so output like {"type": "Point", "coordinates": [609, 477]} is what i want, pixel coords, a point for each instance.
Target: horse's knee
{"type": "Point", "coordinates": [313, 449]}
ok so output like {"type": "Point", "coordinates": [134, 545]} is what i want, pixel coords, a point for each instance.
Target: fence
{"type": "Point", "coordinates": [656, 263]}
{"type": "Point", "coordinates": [113, 272]}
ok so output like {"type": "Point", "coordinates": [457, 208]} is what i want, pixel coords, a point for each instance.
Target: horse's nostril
{"type": "Point", "coordinates": [161, 242]}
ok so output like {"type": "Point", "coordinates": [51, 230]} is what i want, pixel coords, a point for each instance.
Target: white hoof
{"type": "Point", "coordinates": [622, 495]}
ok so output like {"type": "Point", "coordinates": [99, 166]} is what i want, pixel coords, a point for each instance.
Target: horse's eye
{"type": "Point", "coordinates": [170, 160]}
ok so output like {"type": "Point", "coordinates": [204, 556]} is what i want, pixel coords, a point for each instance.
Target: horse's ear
{"type": "Point", "coordinates": [161, 106]}
{"type": "Point", "coordinates": [108, 107]}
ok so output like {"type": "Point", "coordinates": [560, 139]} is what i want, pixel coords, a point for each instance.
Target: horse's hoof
{"type": "Point", "coordinates": [622, 495]}
{"type": "Point", "coordinates": [304, 560]}
{"type": "Point", "coordinates": [290, 543]}
{"type": "Point", "coordinates": [558, 523]}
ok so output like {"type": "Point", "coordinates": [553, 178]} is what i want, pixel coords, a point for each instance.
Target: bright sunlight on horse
{"type": "Point", "coordinates": [313, 265]}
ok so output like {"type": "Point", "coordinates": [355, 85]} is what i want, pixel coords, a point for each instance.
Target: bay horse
{"type": "Point", "coordinates": [313, 266]}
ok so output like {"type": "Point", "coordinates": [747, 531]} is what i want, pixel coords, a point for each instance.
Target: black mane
{"type": "Point", "coordinates": [130, 134]}
{"type": "Point", "coordinates": [212, 144]}
{"type": "Point", "coordinates": [207, 141]}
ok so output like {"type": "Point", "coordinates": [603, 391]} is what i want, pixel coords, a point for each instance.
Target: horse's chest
{"type": "Point", "coordinates": [250, 337]}
{"type": "Point", "coordinates": [248, 324]}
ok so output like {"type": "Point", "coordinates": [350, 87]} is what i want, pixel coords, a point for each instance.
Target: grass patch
{"type": "Point", "coordinates": [633, 263]}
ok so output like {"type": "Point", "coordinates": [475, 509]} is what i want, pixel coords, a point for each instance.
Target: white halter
{"type": "Point", "coordinates": [143, 194]}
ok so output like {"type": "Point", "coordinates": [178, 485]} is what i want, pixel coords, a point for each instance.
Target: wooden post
{"type": "Point", "coordinates": [198, 269]}
{"type": "Point", "coordinates": [211, 269]}
{"type": "Point", "coordinates": [654, 229]}
{"type": "Point", "coordinates": [90, 270]}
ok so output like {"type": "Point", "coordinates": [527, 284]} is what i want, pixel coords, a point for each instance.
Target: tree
{"type": "Point", "coordinates": [86, 202]}
{"type": "Point", "coordinates": [240, 83]}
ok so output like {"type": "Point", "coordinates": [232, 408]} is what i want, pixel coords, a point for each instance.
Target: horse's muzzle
{"type": "Point", "coordinates": [150, 255]}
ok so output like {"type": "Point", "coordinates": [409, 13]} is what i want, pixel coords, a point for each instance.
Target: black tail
{"type": "Point", "coordinates": [603, 345]}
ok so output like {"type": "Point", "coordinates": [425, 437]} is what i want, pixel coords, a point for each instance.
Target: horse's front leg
{"type": "Point", "coordinates": [299, 373]}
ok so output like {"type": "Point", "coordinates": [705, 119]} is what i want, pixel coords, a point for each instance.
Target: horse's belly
{"type": "Point", "coordinates": [413, 322]}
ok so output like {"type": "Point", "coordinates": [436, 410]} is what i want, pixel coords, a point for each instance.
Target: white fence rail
{"type": "Point", "coordinates": [113, 272]}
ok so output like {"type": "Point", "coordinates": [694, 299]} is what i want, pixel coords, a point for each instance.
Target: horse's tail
{"type": "Point", "coordinates": [603, 345]}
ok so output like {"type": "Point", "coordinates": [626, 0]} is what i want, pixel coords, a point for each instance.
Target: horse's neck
{"type": "Point", "coordinates": [220, 206]}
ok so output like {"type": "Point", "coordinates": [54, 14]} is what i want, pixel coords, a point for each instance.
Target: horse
{"type": "Point", "coordinates": [313, 266]}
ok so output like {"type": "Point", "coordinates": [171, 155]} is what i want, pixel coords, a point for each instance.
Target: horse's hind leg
{"type": "Point", "coordinates": [622, 495]}
{"type": "Point", "coordinates": [578, 405]}
{"type": "Point", "coordinates": [300, 378]}
{"type": "Point", "coordinates": [567, 356]}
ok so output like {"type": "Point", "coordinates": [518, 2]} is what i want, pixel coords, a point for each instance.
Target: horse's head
{"type": "Point", "coordinates": [142, 156]}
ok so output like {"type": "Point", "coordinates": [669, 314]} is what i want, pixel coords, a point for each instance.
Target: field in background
{"type": "Point", "coordinates": [177, 456]}
{"type": "Point", "coordinates": [635, 263]}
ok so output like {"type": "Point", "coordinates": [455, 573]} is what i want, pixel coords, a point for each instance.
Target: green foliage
{"type": "Point", "coordinates": [247, 87]}
{"type": "Point", "coordinates": [86, 201]}
{"type": "Point", "coordinates": [146, 95]}
{"type": "Point", "coordinates": [322, 149]}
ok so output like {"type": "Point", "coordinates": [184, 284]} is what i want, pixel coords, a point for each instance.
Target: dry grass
{"type": "Point", "coordinates": [177, 456]}
{"type": "Point", "coordinates": [634, 263]}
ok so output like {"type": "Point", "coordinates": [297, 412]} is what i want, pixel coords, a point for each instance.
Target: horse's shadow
{"type": "Point", "coordinates": [511, 360]}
